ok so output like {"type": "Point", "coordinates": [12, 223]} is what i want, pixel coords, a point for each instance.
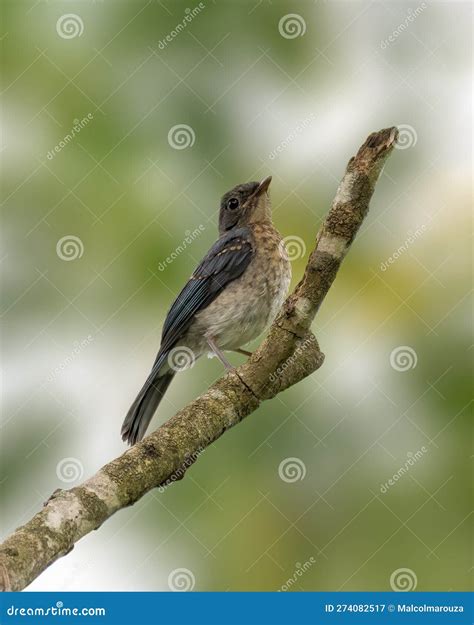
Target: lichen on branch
{"type": "Point", "coordinates": [288, 354]}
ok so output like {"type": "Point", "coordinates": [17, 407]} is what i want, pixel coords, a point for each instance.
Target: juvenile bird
{"type": "Point", "coordinates": [231, 298]}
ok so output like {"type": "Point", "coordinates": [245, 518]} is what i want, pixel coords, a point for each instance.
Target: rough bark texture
{"type": "Point", "coordinates": [289, 354]}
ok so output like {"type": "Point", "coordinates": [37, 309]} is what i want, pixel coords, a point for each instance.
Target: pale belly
{"type": "Point", "coordinates": [245, 308]}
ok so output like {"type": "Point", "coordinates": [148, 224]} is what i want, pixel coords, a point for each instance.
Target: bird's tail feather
{"type": "Point", "coordinates": [143, 408]}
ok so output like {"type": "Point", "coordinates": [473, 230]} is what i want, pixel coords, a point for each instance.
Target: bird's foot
{"type": "Point", "coordinates": [244, 352]}
{"type": "Point", "coordinates": [219, 354]}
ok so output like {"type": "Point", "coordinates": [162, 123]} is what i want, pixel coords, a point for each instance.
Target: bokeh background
{"type": "Point", "coordinates": [86, 284]}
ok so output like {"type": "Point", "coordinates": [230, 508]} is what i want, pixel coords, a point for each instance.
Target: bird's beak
{"type": "Point", "coordinates": [263, 186]}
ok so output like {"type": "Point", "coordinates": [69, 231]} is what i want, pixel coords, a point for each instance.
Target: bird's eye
{"type": "Point", "coordinates": [233, 203]}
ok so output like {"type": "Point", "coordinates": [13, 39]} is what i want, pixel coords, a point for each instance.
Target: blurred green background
{"type": "Point", "coordinates": [260, 93]}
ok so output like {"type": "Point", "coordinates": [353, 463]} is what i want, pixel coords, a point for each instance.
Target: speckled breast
{"type": "Point", "coordinates": [249, 304]}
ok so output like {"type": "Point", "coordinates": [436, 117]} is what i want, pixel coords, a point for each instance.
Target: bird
{"type": "Point", "coordinates": [231, 298]}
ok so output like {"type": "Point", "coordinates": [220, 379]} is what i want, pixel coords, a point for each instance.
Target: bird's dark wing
{"type": "Point", "coordinates": [226, 260]}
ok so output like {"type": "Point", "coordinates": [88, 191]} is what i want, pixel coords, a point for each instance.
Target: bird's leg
{"type": "Point", "coordinates": [219, 353]}
{"type": "Point", "coordinates": [244, 352]}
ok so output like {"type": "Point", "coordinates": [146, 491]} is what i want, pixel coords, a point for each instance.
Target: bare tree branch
{"type": "Point", "coordinates": [289, 353]}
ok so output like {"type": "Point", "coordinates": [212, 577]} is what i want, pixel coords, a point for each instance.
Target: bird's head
{"type": "Point", "coordinates": [245, 204]}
